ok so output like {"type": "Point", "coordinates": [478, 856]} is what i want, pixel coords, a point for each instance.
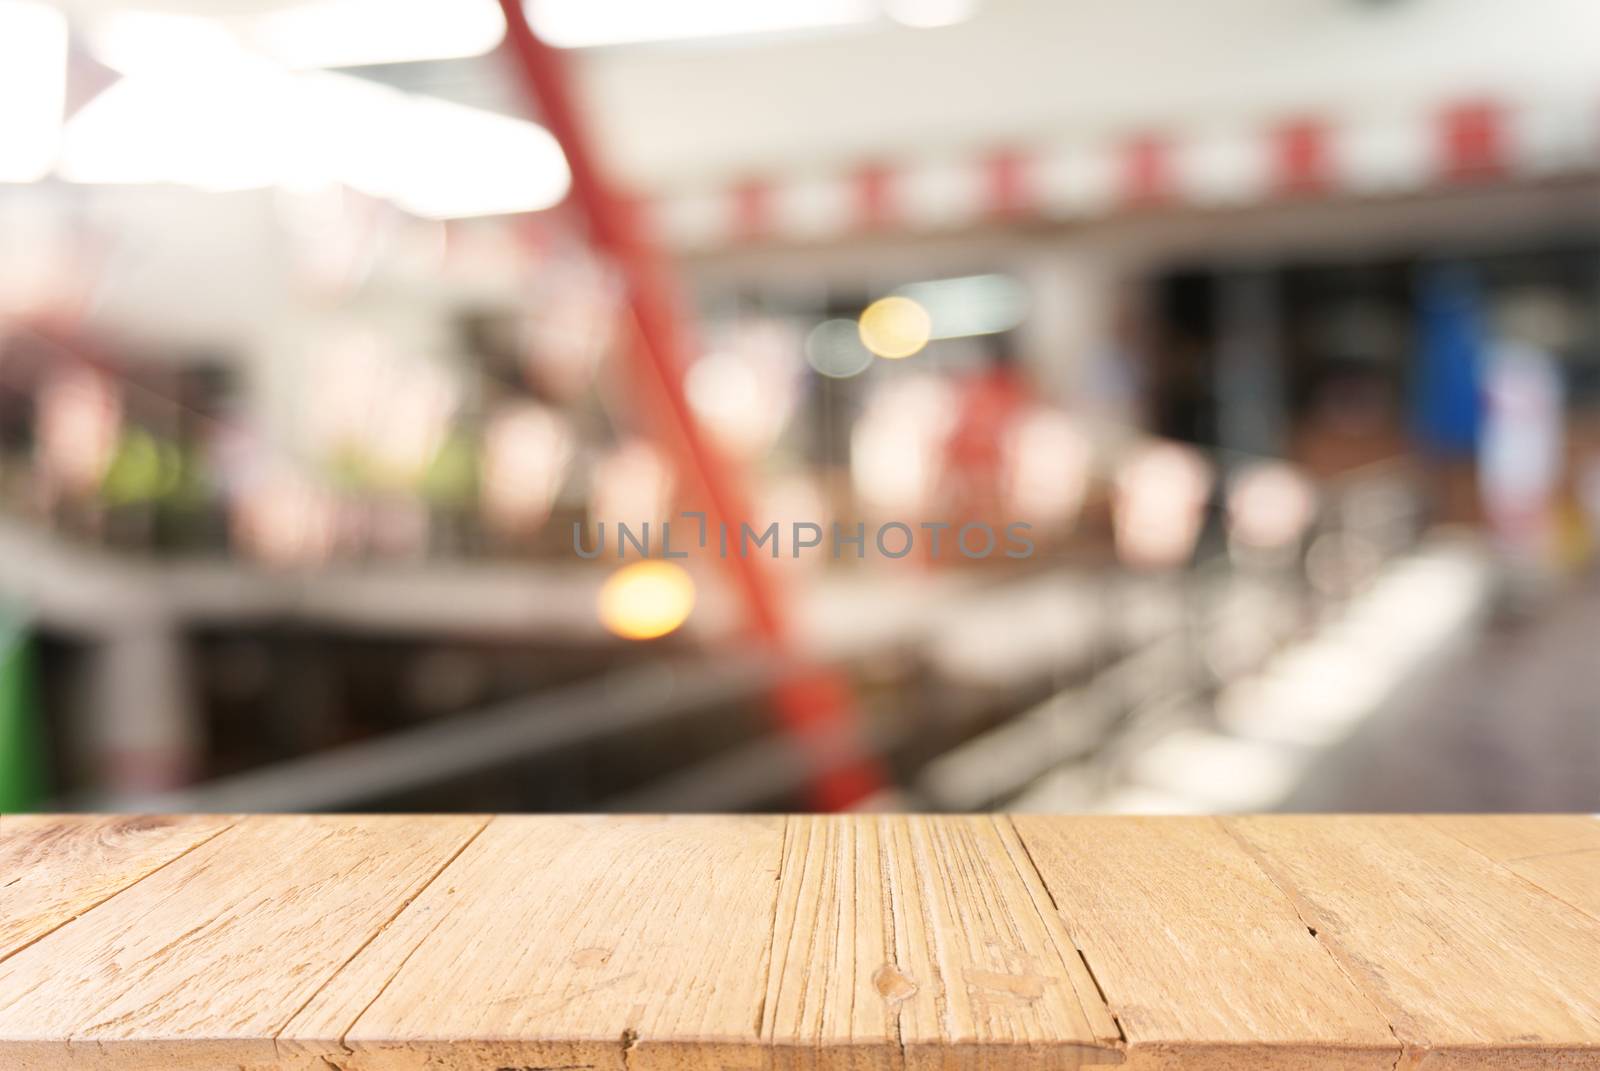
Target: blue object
{"type": "Point", "coordinates": [1447, 396]}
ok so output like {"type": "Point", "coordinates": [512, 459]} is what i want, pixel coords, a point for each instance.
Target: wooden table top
{"type": "Point", "coordinates": [798, 944]}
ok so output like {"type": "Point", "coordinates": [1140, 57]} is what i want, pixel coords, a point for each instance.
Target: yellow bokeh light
{"type": "Point", "coordinates": [895, 327]}
{"type": "Point", "coordinates": [646, 600]}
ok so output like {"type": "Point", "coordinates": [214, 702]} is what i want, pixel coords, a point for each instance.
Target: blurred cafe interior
{"type": "Point", "coordinates": [942, 405]}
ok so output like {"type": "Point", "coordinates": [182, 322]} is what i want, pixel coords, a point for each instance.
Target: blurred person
{"type": "Point", "coordinates": [990, 402]}
{"type": "Point", "coordinates": [1520, 455]}
{"type": "Point", "coordinates": [1447, 397]}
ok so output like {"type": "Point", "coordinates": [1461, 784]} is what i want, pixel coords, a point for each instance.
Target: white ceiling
{"type": "Point", "coordinates": [688, 114]}
{"type": "Point", "coordinates": [1030, 69]}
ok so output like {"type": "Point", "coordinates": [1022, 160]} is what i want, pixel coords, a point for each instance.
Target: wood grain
{"type": "Point", "coordinates": [1203, 960]}
{"type": "Point", "coordinates": [200, 964]}
{"type": "Point", "coordinates": [925, 943]}
{"type": "Point", "coordinates": [1558, 853]}
{"type": "Point", "coordinates": [864, 943]}
{"type": "Point", "coordinates": [1472, 966]}
{"type": "Point", "coordinates": [575, 943]}
{"type": "Point", "coordinates": [54, 868]}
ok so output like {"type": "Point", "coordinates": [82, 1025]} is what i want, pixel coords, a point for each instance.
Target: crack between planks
{"type": "Point", "coordinates": [233, 823]}
{"type": "Point", "coordinates": [772, 940]}
{"type": "Point", "coordinates": [276, 1034]}
{"type": "Point", "coordinates": [1260, 862]}
{"type": "Point", "coordinates": [1505, 866]}
{"type": "Point", "coordinates": [827, 893]}
{"type": "Point", "coordinates": [1027, 853]}
{"type": "Point", "coordinates": [630, 1041]}
{"type": "Point", "coordinates": [926, 876]}
{"type": "Point", "coordinates": [890, 922]}
{"type": "Point", "coordinates": [838, 922]}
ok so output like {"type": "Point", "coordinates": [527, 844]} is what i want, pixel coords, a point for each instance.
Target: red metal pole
{"type": "Point", "coordinates": [812, 704]}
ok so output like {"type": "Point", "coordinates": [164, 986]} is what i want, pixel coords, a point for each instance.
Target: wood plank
{"type": "Point", "coordinates": [1558, 853]}
{"type": "Point", "coordinates": [53, 868]}
{"type": "Point", "coordinates": [200, 964]}
{"type": "Point", "coordinates": [1509, 837]}
{"type": "Point", "coordinates": [1472, 966]}
{"type": "Point", "coordinates": [1009, 976]}
{"type": "Point", "coordinates": [1203, 960]}
{"type": "Point", "coordinates": [836, 984]}
{"type": "Point", "coordinates": [864, 943]}
{"type": "Point", "coordinates": [924, 943]}
{"type": "Point", "coordinates": [568, 942]}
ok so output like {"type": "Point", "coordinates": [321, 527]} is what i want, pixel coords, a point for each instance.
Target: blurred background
{"type": "Point", "coordinates": [331, 329]}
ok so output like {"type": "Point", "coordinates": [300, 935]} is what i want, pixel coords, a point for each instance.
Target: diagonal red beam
{"type": "Point", "coordinates": [618, 231]}
{"type": "Point", "coordinates": [812, 704]}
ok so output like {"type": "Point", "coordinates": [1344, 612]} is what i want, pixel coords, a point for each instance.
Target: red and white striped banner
{"type": "Point", "coordinates": [1465, 142]}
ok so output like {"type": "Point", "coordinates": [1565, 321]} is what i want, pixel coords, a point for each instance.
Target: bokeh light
{"type": "Point", "coordinates": [725, 393]}
{"type": "Point", "coordinates": [896, 446]}
{"type": "Point", "coordinates": [80, 421]}
{"type": "Point", "coordinates": [835, 350]}
{"type": "Point", "coordinates": [646, 600]}
{"type": "Point", "coordinates": [1159, 501]}
{"type": "Point", "coordinates": [527, 449]}
{"type": "Point", "coordinates": [895, 327]}
{"type": "Point", "coordinates": [1047, 459]}
{"type": "Point", "coordinates": [631, 484]}
{"type": "Point", "coordinates": [1270, 505]}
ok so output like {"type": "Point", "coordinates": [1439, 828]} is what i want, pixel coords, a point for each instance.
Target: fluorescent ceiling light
{"type": "Point", "coordinates": [302, 36]}
{"type": "Point", "coordinates": [593, 23]}
{"type": "Point", "coordinates": [447, 161]}
{"type": "Point", "coordinates": [256, 125]}
{"type": "Point", "coordinates": [927, 14]}
{"type": "Point", "coordinates": [159, 42]}
{"type": "Point", "coordinates": [232, 132]}
{"type": "Point", "coordinates": [352, 33]}
{"type": "Point", "coordinates": [228, 103]}
{"type": "Point", "coordinates": [589, 23]}
{"type": "Point", "coordinates": [33, 78]}
{"type": "Point", "coordinates": [970, 305]}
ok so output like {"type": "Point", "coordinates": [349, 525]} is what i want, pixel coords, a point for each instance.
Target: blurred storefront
{"type": "Point", "coordinates": [319, 368]}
